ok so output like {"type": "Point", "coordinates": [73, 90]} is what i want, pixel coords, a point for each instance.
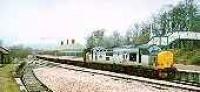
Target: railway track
{"type": "Point", "coordinates": [190, 78]}
{"type": "Point", "coordinates": [31, 82]}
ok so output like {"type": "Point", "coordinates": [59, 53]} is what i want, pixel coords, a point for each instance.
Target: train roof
{"type": "Point", "coordinates": [98, 48]}
{"type": "Point", "coordinates": [125, 49]}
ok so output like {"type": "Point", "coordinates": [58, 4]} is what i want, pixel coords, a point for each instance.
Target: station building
{"type": "Point", "coordinates": [71, 48]}
{"type": "Point", "coordinates": [3, 54]}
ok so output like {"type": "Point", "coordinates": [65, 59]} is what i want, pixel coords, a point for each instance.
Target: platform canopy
{"type": "Point", "coordinates": [3, 50]}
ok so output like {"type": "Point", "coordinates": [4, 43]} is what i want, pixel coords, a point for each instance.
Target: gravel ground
{"type": "Point", "coordinates": [63, 80]}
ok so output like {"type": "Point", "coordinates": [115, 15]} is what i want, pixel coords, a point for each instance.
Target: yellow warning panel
{"type": "Point", "coordinates": [165, 60]}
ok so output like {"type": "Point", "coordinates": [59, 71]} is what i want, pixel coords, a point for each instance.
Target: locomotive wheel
{"type": "Point", "coordinates": [162, 74]}
{"type": "Point", "coordinates": [166, 73]}
{"type": "Point", "coordinates": [171, 73]}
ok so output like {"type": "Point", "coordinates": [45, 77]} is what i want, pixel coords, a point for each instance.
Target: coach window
{"type": "Point", "coordinates": [109, 54]}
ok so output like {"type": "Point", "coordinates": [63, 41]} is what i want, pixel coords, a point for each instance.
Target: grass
{"type": "Point", "coordinates": [7, 82]}
{"type": "Point", "coordinates": [191, 57]}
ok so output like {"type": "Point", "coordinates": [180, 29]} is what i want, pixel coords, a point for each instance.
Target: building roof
{"type": "Point", "coordinates": [3, 50]}
{"type": "Point", "coordinates": [71, 47]}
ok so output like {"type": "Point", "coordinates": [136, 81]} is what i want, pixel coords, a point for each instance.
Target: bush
{"type": "Point", "coordinates": [19, 69]}
{"type": "Point", "coordinates": [6, 60]}
{"type": "Point", "coordinates": [19, 51]}
{"type": "Point", "coordinates": [187, 57]}
{"type": "Point", "coordinates": [195, 60]}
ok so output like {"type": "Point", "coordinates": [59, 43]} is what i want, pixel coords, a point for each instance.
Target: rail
{"type": "Point", "coordinates": [185, 77]}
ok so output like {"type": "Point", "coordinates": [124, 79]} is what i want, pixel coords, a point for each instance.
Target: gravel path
{"type": "Point", "coordinates": [63, 80]}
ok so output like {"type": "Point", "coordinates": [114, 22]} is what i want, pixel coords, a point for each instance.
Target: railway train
{"type": "Point", "coordinates": [160, 62]}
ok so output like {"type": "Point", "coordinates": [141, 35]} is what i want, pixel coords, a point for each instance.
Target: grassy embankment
{"type": "Point", "coordinates": [191, 57]}
{"type": "Point", "coordinates": [7, 82]}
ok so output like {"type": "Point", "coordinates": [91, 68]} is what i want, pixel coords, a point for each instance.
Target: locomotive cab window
{"type": "Point", "coordinates": [132, 57]}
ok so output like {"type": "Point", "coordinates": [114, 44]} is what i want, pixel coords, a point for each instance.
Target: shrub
{"type": "Point", "coordinates": [19, 51]}
{"type": "Point", "coordinates": [6, 60]}
{"type": "Point", "coordinates": [19, 69]}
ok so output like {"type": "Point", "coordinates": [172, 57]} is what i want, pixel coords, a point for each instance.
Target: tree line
{"type": "Point", "coordinates": [185, 16]}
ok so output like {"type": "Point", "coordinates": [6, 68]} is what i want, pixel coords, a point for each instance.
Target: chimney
{"type": "Point", "coordinates": [73, 41]}
{"type": "Point", "coordinates": [67, 41]}
{"type": "Point", "coordinates": [61, 43]}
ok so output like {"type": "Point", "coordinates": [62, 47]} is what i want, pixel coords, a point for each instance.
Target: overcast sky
{"type": "Point", "coordinates": [38, 22]}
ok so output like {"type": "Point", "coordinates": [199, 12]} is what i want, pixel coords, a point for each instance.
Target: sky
{"type": "Point", "coordinates": [44, 23]}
